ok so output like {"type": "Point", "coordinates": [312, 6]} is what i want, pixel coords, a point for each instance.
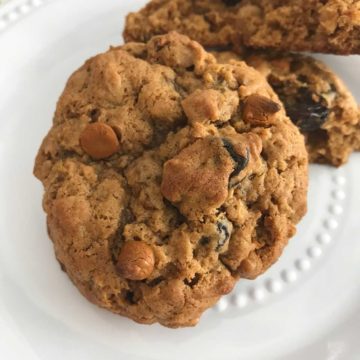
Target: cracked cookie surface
{"type": "Point", "coordinates": [330, 26]}
{"type": "Point", "coordinates": [315, 99]}
{"type": "Point", "coordinates": [167, 178]}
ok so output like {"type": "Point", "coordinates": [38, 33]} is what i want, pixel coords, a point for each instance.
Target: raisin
{"type": "Point", "coordinates": [205, 240]}
{"type": "Point", "coordinates": [94, 115]}
{"type": "Point", "coordinates": [305, 112]}
{"type": "Point", "coordinates": [231, 2]}
{"type": "Point", "coordinates": [129, 296]}
{"type": "Point", "coordinates": [303, 78]}
{"type": "Point", "coordinates": [224, 229]}
{"type": "Point", "coordinates": [192, 282]}
{"type": "Point", "coordinates": [62, 267]}
{"type": "Point", "coordinates": [155, 281]}
{"type": "Point", "coordinates": [240, 161]}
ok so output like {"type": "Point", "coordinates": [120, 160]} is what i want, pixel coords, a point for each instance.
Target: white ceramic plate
{"type": "Point", "coordinates": [306, 307]}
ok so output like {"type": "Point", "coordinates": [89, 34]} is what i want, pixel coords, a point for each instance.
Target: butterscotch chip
{"type": "Point", "coordinates": [99, 141]}
{"type": "Point", "coordinates": [259, 109]}
{"type": "Point", "coordinates": [136, 261]}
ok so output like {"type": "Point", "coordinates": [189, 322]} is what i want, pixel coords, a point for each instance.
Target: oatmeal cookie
{"type": "Point", "coordinates": [330, 26]}
{"type": "Point", "coordinates": [168, 177]}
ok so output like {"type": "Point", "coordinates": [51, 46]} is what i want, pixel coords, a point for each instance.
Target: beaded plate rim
{"type": "Point", "coordinates": [267, 287]}
{"type": "Point", "coordinates": [13, 11]}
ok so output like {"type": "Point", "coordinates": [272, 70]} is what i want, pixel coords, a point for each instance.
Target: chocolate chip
{"type": "Point", "coordinates": [240, 161]}
{"type": "Point", "coordinates": [231, 2]}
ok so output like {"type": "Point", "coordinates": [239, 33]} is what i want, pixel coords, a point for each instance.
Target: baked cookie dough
{"type": "Point", "coordinates": [330, 26]}
{"type": "Point", "coordinates": [167, 178]}
{"type": "Point", "coordinates": [315, 99]}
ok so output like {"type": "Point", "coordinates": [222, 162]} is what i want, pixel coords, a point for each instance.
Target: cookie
{"type": "Point", "coordinates": [315, 99]}
{"type": "Point", "coordinates": [331, 26]}
{"type": "Point", "coordinates": [167, 178]}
